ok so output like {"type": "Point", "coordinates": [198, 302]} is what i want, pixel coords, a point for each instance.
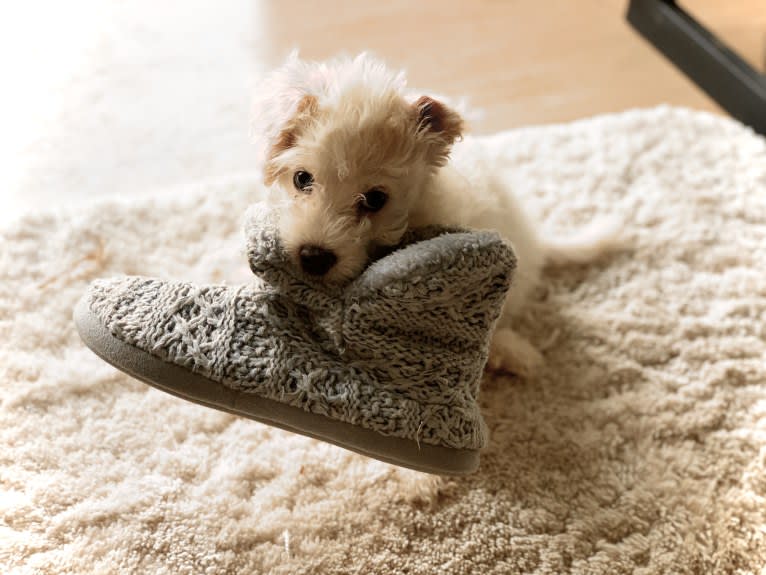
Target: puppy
{"type": "Point", "coordinates": [354, 159]}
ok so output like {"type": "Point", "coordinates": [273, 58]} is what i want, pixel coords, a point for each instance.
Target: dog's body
{"type": "Point", "coordinates": [354, 161]}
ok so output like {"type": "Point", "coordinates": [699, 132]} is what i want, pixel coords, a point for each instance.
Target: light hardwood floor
{"type": "Point", "coordinates": [111, 97]}
{"type": "Point", "coordinates": [523, 61]}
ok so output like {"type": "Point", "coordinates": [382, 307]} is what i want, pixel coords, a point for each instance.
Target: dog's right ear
{"type": "Point", "coordinates": [305, 111]}
{"type": "Point", "coordinates": [283, 106]}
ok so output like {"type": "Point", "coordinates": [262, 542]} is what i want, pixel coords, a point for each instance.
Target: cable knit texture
{"type": "Point", "coordinates": [399, 351]}
{"type": "Point", "coordinates": [638, 448]}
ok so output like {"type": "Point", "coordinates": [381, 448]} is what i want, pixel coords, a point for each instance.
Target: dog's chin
{"type": "Point", "coordinates": [347, 269]}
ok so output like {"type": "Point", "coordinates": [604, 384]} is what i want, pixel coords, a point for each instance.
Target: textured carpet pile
{"type": "Point", "coordinates": [640, 447]}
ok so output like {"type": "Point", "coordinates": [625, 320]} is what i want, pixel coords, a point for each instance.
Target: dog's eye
{"type": "Point", "coordinates": [302, 180]}
{"type": "Point", "coordinates": [373, 200]}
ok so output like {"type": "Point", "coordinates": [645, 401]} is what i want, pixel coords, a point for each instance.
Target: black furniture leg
{"type": "Point", "coordinates": [725, 76]}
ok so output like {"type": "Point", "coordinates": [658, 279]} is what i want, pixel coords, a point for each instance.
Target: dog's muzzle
{"type": "Point", "coordinates": [316, 260]}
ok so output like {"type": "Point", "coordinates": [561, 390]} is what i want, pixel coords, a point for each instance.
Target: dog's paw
{"type": "Point", "coordinates": [511, 353]}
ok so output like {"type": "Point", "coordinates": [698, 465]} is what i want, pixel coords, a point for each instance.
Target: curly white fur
{"type": "Point", "coordinates": [353, 125]}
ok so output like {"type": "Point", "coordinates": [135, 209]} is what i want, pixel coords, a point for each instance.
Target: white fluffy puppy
{"type": "Point", "coordinates": [354, 160]}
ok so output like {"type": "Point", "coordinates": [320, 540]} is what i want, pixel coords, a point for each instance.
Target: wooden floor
{"type": "Point", "coordinates": [115, 97]}
{"type": "Point", "coordinates": [523, 61]}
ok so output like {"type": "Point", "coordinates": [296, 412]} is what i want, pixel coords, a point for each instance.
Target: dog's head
{"type": "Point", "coordinates": [347, 152]}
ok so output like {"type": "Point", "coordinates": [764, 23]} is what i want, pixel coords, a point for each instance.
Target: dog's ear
{"type": "Point", "coordinates": [281, 108]}
{"type": "Point", "coordinates": [305, 111]}
{"type": "Point", "coordinates": [441, 126]}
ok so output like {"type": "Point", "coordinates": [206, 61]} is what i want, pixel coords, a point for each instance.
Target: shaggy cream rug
{"type": "Point", "coordinates": [639, 448]}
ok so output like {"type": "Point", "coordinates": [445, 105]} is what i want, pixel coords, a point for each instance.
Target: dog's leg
{"type": "Point", "coordinates": [511, 353]}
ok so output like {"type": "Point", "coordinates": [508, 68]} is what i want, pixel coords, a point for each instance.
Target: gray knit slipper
{"type": "Point", "coordinates": [387, 366]}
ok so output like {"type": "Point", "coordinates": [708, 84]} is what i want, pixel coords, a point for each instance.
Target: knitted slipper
{"type": "Point", "coordinates": [387, 366]}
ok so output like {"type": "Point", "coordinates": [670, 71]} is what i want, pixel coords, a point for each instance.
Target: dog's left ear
{"type": "Point", "coordinates": [440, 124]}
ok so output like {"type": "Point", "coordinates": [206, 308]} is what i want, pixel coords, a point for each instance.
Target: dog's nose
{"type": "Point", "coordinates": [316, 261]}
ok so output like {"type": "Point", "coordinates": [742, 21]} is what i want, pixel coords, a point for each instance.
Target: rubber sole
{"type": "Point", "coordinates": [194, 387]}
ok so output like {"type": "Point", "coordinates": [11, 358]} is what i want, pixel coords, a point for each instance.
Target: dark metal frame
{"type": "Point", "coordinates": [724, 75]}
